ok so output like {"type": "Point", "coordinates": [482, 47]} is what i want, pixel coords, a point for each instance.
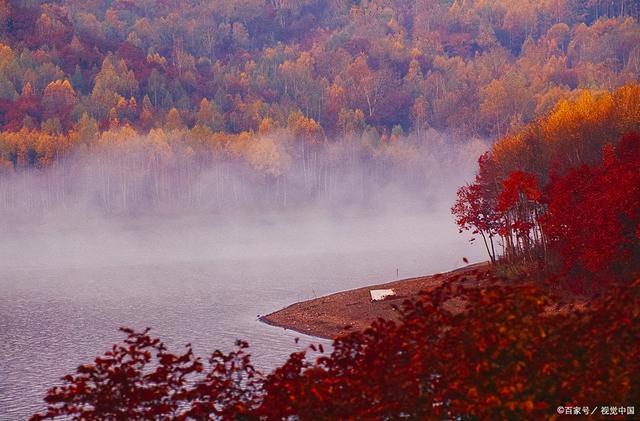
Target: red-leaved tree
{"type": "Point", "coordinates": [476, 210]}
{"type": "Point", "coordinates": [594, 215]}
{"type": "Point", "coordinates": [586, 218]}
{"type": "Point", "coordinates": [520, 204]}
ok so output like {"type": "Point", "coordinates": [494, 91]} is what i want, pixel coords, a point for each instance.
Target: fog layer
{"type": "Point", "coordinates": [197, 248]}
{"type": "Point", "coordinates": [114, 206]}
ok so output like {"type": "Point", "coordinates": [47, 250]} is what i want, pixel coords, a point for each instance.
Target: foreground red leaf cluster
{"type": "Point", "coordinates": [515, 351]}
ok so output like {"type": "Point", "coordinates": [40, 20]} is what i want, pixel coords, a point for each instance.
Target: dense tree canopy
{"type": "Point", "coordinates": [298, 91]}
{"type": "Point", "coordinates": [479, 67]}
{"type": "Point", "coordinates": [564, 190]}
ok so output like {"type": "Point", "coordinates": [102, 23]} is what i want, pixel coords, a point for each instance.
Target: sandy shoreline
{"type": "Point", "coordinates": [326, 317]}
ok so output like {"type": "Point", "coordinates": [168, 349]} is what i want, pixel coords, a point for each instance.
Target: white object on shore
{"type": "Point", "coordinates": [381, 294]}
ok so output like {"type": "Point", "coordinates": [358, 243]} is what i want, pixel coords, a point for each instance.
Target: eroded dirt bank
{"type": "Point", "coordinates": [328, 316]}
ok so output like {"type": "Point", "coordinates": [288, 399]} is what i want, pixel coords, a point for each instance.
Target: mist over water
{"type": "Point", "coordinates": [162, 174]}
{"type": "Point", "coordinates": [75, 263]}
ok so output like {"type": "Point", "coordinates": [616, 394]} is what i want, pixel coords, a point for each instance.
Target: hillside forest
{"type": "Point", "coordinates": [283, 101]}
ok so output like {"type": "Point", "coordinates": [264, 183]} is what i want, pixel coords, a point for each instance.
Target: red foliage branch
{"type": "Point", "coordinates": [497, 351]}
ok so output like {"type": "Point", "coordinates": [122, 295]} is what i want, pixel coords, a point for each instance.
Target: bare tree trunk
{"type": "Point", "coordinates": [486, 245]}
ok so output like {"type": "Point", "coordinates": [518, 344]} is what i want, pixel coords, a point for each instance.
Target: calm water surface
{"type": "Point", "coordinates": [65, 288]}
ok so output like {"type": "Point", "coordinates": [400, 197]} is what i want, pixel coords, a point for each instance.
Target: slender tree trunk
{"type": "Point", "coordinates": [486, 245]}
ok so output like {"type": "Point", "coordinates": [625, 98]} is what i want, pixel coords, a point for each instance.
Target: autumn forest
{"type": "Point", "coordinates": [523, 117]}
{"type": "Point", "coordinates": [296, 94]}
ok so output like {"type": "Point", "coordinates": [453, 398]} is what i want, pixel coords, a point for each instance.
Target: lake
{"type": "Point", "coordinates": [67, 285]}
